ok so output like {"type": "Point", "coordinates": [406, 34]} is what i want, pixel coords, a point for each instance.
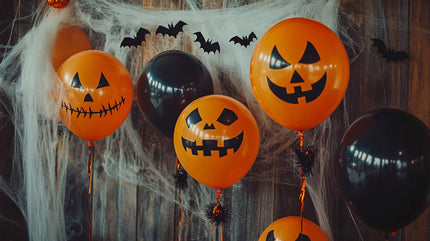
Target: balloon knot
{"type": "Point", "coordinates": [216, 213]}
{"type": "Point", "coordinates": [181, 178]}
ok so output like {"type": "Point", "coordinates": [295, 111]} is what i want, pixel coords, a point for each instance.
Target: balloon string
{"type": "Point", "coordinates": [90, 150]}
{"type": "Point", "coordinates": [215, 211]}
{"type": "Point", "coordinates": [302, 198]}
{"type": "Point", "coordinates": [220, 226]}
{"type": "Point", "coordinates": [90, 156]}
{"type": "Point", "coordinates": [178, 194]}
{"type": "Point", "coordinates": [303, 185]}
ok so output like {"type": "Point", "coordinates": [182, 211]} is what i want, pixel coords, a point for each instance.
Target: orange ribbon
{"type": "Point", "coordinates": [90, 153]}
{"type": "Point", "coordinates": [178, 194]}
{"type": "Point", "coordinates": [90, 149]}
{"type": "Point", "coordinates": [303, 185]}
{"type": "Point", "coordinates": [302, 199]}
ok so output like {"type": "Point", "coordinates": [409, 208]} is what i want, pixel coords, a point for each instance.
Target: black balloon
{"type": "Point", "coordinates": [168, 83]}
{"type": "Point", "coordinates": [384, 168]}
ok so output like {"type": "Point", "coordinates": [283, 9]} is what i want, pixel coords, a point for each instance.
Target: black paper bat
{"type": "Point", "coordinates": [206, 45]}
{"type": "Point", "coordinates": [388, 53]}
{"type": "Point", "coordinates": [245, 40]}
{"type": "Point", "coordinates": [171, 30]}
{"type": "Point", "coordinates": [140, 36]}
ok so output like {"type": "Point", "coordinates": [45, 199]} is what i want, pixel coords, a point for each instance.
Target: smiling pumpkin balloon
{"type": "Point", "coordinates": [299, 73]}
{"type": "Point", "coordinates": [216, 139]}
{"type": "Point", "coordinates": [98, 94]}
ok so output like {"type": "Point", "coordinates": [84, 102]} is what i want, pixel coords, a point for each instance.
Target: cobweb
{"type": "Point", "coordinates": [49, 164]}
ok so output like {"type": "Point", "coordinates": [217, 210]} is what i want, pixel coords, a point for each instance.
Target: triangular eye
{"type": "Point", "coordinates": [276, 61]}
{"type": "Point", "coordinates": [270, 236]}
{"type": "Point", "coordinates": [193, 118]}
{"type": "Point", "coordinates": [310, 56]}
{"type": "Point", "coordinates": [227, 117]}
{"type": "Point", "coordinates": [102, 82]}
{"type": "Point", "coordinates": [76, 83]}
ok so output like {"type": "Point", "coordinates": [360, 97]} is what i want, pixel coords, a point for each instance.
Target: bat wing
{"type": "Point", "coordinates": [140, 36]}
{"type": "Point", "coordinates": [382, 48]}
{"type": "Point", "coordinates": [128, 42]}
{"type": "Point", "coordinates": [252, 36]}
{"type": "Point", "coordinates": [213, 47]}
{"type": "Point", "coordinates": [163, 30]}
{"type": "Point", "coordinates": [399, 55]}
{"type": "Point", "coordinates": [200, 39]}
{"type": "Point", "coordinates": [236, 39]}
{"type": "Point", "coordinates": [178, 28]}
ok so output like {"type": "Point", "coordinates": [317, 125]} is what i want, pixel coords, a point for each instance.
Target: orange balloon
{"type": "Point", "coordinates": [288, 229]}
{"type": "Point", "coordinates": [98, 94]}
{"type": "Point", "coordinates": [216, 139]}
{"type": "Point", "coordinates": [68, 41]}
{"type": "Point", "coordinates": [299, 73]}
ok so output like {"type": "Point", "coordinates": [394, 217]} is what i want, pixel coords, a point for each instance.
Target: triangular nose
{"type": "Point", "coordinates": [296, 78]}
{"type": "Point", "coordinates": [208, 127]}
{"type": "Point", "coordinates": [88, 98]}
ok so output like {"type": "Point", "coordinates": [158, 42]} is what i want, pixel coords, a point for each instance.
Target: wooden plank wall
{"type": "Point", "coordinates": [402, 24]}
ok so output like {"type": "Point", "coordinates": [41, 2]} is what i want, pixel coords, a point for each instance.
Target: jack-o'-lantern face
{"type": "Point", "coordinates": [299, 73]}
{"type": "Point", "coordinates": [305, 90]}
{"type": "Point", "coordinates": [210, 147]}
{"type": "Point", "coordinates": [216, 140]}
{"type": "Point", "coordinates": [98, 94]}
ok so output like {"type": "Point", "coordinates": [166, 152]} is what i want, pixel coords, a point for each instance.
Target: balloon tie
{"type": "Point", "coordinates": [300, 134]}
{"type": "Point", "coordinates": [90, 156]}
{"type": "Point", "coordinates": [217, 211]}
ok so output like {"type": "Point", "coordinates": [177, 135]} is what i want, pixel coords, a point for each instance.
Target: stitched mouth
{"type": "Point", "coordinates": [310, 95]}
{"type": "Point", "coordinates": [81, 112]}
{"type": "Point", "coordinates": [211, 145]}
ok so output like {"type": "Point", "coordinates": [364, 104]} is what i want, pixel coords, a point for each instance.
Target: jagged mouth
{"type": "Point", "coordinates": [310, 95]}
{"type": "Point", "coordinates": [81, 112]}
{"type": "Point", "coordinates": [212, 145]}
